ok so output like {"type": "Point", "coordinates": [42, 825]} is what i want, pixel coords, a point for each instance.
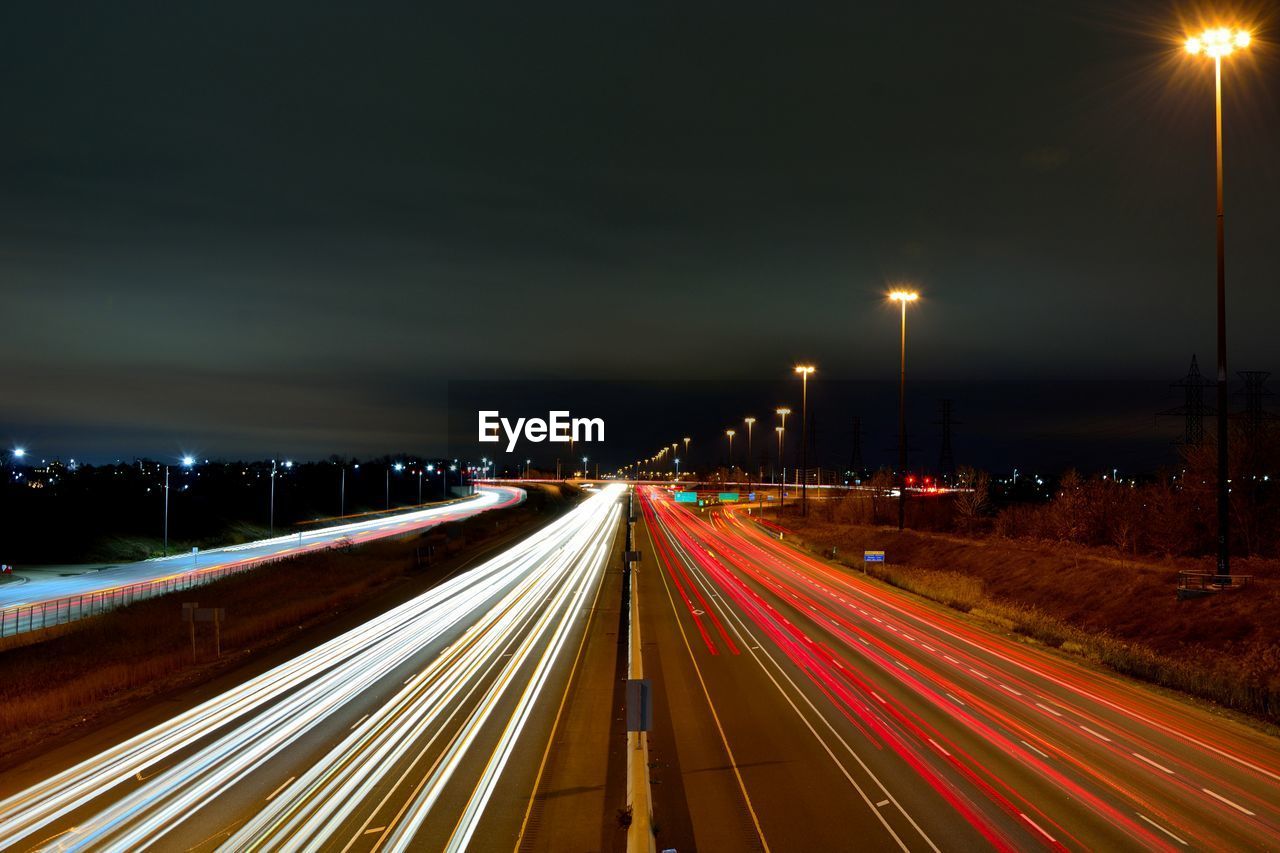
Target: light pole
{"type": "Point", "coordinates": [584, 467]}
{"type": "Point", "coordinates": [750, 422]}
{"type": "Point", "coordinates": [804, 370]}
{"type": "Point", "coordinates": [902, 297]}
{"type": "Point", "coordinates": [781, 471]}
{"type": "Point", "coordinates": [1218, 43]}
{"type": "Point", "coordinates": [419, 483]}
{"type": "Point", "coordinates": [730, 433]}
{"type": "Point", "coordinates": [686, 447]}
{"type": "Point", "coordinates": [272, 515]}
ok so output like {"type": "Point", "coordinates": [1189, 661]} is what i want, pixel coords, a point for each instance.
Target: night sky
{"type": "Point", "coordinates": [246, 228]}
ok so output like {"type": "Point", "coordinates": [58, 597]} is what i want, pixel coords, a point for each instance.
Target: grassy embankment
{"type": "Point", "coordinates": [106, 664]}
{"type": "Point", "coordinates": [1121, 613]}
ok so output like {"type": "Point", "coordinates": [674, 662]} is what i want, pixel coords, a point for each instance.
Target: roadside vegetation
{"type": "Point", "coordinates": [1093, 569]}
{"type": "Point", "coordinates": [50, 683]}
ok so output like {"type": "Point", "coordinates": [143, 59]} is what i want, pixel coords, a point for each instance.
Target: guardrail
{"type": "Point", "coordinates": [22, 618]}
{"type": "Point", "coordinates": [1195, 584]}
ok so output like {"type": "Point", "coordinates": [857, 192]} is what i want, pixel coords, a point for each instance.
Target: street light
{"type": "Point", "coordinates": [804, 370]}
{"type": "Point", "coordinates": [1217, 43]}
{"type": "Point", "coordinates": [731, 434]}
{"type": "Point", "coordinates": [750, 422]}
{"type": "Point", "coordinates": [781, 471]}
{"type": "Point", "coordinates": [902, 297]}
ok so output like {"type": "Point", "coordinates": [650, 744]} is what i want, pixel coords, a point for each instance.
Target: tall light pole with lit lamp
{"type": "Point", "coordinates": [902, 297]}
{"type": "Point", "coordinates": [1217, 43]}
{"type": "Point", "coordinates": [730, 433]}
{"type": "Point", "coordinates": [750, 422]}
{"type": "Point", "coordinates": [804, 370]}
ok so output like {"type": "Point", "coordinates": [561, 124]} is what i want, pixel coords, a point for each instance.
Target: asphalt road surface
{"type": "Point", "coordinates": [51, 592]}
{"type": "Point", "coordinates": [799, 706]}
{"type": "Point", "coordinates": [421, 729]}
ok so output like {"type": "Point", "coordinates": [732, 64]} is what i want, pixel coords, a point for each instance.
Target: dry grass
{"type": "Point", "coordinates": [1122, 614]}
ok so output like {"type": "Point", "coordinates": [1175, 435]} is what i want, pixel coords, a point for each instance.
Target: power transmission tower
{"type": "Point", "coordinates": [946, 459]}
{"type": "Point", "coordinates": [1253, 392]}
{"type": "Point", "coordinates": [1193, 408]}
{"type": "Point", "coordinates": [857, 469]}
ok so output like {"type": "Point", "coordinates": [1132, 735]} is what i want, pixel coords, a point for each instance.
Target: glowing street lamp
{"type": "Point", "coordinates": [804, 370]}
{"type": "Point", "coordinates": [20, 452]}
{"type": "Point", "coordinates": [902, 297]}
{"type": "Point", "coordinates": [750, 422]}
{"type": "Point", "coordinates": [731, 434]}
{"type": "Point", "coordinates": [1217, 43]}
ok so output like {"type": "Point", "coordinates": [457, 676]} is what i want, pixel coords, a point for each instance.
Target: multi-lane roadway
{"type": "Point", "coordinates": [801, 707]}
{"type": "Point", "coordinates": [47, 599]}
{"type": "Point", "coordinates": [421, 729]}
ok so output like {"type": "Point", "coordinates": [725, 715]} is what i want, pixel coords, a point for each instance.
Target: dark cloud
{"type": "Point", "coordinates": [288, 216]}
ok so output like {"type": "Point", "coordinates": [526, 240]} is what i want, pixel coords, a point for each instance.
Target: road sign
{"type": "Point", "coordinates": [728, 497]}
{"type": "Point", "coordinates": [873, 556]}
{"type": "Point", "coordinates": [686, 497]}
{"type": "Point", "coordinates": [639, 706]}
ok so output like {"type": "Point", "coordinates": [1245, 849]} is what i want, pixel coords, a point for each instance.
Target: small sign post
{"type": "Point", "coordinates": [871, 557]}
{"type": "Point", "coordinates": [189, 616]}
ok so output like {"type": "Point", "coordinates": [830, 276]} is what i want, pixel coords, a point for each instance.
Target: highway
{"type": "Point", "coordinates": [50, 599]}
{"type": "Point", "coordinates": [799, 706]}
{"type": "Point", "coordinates": [420, 729]}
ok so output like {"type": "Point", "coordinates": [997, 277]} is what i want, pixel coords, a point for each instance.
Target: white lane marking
{"type": "Point", "coordinates": [879, 698]}
{"type": "Point", "coordinates": [1053, 711]}
{"type": "Point", "coordinates": [975, 672]}
{"type": "Point", "coordinates": [1036, 751]}
{"type": "Point", "coordinates": [1154, 764]}
{"type": "Point", "coordinates": [1038, 827]}
{"type": "Point", "coordinates": [939, 747]}
{"type": "Point", "coordinates": [954, 699]}
{"type": "Point", "coordinates": [882, 804]}
{"type": "Point", "coordinates": [281, 788]}
{"type": "Point", "coordinates": [1235, 806]}
{"type": "Point", "coordinates": [1161, 828]}
{"type": "Point", "coordinates": [903, 665]}
{"type": "Point", "coordinates": [359, 721]}
{"type": "Point", "coordinates": [371, 830]}
{"type": "Point", "coordinates": [1010, 689]}
{"type": "Point", "coordinates": [950, 658]}
{"type": "Point", "coordinates": [928, 647]}
{"type": "Point", "coordinates": [1096, 734]}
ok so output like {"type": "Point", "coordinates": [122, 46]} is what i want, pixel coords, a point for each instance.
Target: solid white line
{"type": "Point", "coordinates": [1154, 764]}
{"type": "Point", "coordinates": [1161, 828]}
{"type": "Point", "coordinates": [281, 788]}
{"type": "Point", "coordinates": [1096, 734]}
{"type": "Point", "coordinates": [1038, 827]}
{"type": "Point", "coordinates": [1235, 806]}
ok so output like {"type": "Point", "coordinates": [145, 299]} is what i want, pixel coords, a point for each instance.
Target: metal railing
{"type": "Point", "coordinates": [49, 613]}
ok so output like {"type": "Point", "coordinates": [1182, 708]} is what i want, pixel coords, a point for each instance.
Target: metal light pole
{"type": "Point", "coordinates": [902, 297]}
{"type": "Point", "coordinates": [165, 552]}
{"type": "Point", "coordinates": [1218, 43]}
{"type": "Point", "coordinates": [730, 433]}
{"type": "Point", "coordinates": [782, 472]}
{"type": "Point", "coordinates": [804, 370]}
{"type": "Point", "coordinates": [750, 422]}
{"type": "Point", "coordinates": [342, 493]}
{"type": "Point", "coordinates": [272, 516]}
